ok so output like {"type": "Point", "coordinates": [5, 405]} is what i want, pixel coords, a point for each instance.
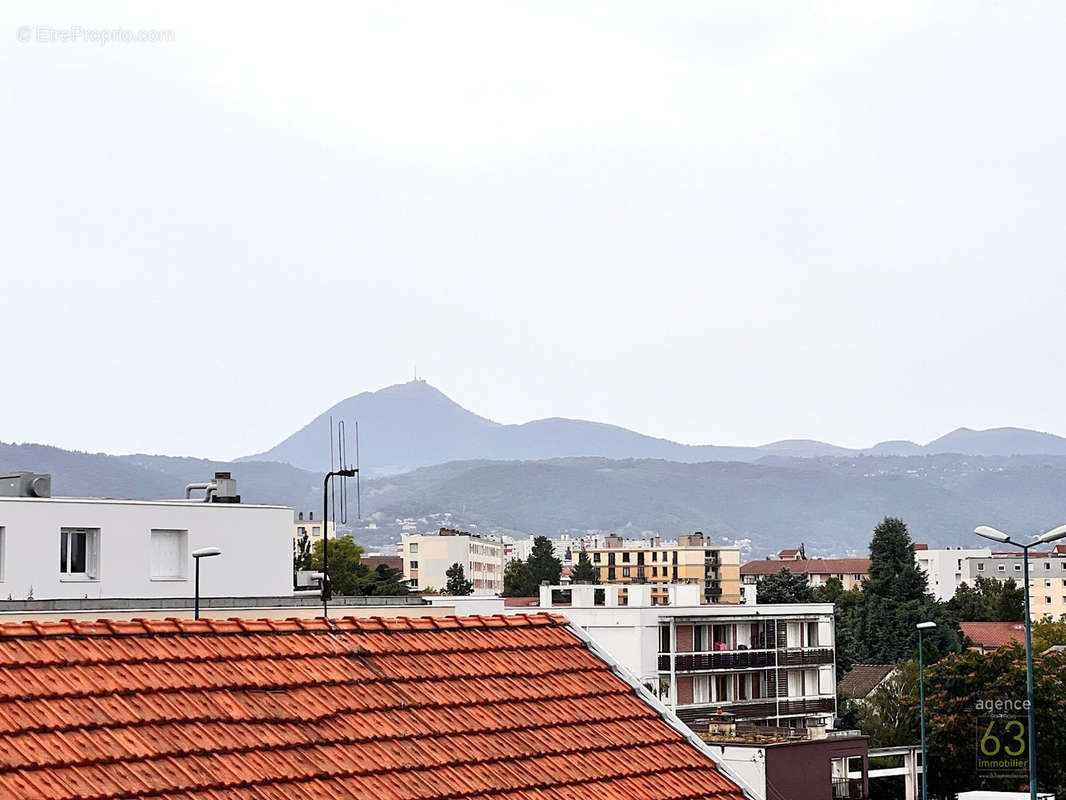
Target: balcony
{"type": "Point", "coordinates": [721, 659]}
{"type": "Point", "coordinates": [806, 657]}
{"type": "Point", "coordinates": [848, 789]}
{"type": "Point", "coordinates": [819, 705]}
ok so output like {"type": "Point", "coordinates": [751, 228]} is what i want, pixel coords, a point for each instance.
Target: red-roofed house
{"type": "Point", "coordinates": [988, 636]}
{"type": "Point", "coordinates": [849, 571]}
{"type": "Point", "coordinates": [512, 708]}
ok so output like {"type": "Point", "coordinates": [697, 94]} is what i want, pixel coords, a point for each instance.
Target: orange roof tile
{"type": "Point", "coordinates": [993, 634]}
{"type": "Point", "coordinates": [504, 707]}
{"type": "Point", "coordinates": [809, 566]}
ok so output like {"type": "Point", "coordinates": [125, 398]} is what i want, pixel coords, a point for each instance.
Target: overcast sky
{"type": "Point", "coordinates": [721, 223]}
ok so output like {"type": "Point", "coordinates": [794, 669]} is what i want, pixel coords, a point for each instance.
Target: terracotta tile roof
{"type": "Point", "coordinates": [863, 679]}
{"type": "Point", "coordinates": [511, 708]}
{"type": "Point", "coordinates": [808, 566]}
{"type": "Point", "coordinates": [993, 634]}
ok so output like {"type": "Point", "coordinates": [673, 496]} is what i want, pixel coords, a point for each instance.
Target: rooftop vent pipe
{"type": "Point", "coordinates": [209, 489]}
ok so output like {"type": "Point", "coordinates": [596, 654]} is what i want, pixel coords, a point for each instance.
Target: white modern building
{"type": "Point", "coordinates": [307, 525]}
{"type": "Point", "coordinates": [766, 664]}
{"type": "Point", "coordinates": [81, 548]}
{"type": "Point", "coordinates": [427, 558]}
{"type": "Point", "coordinates": [946, 568]}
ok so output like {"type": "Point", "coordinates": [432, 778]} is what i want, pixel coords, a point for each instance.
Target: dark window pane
{"type": "Point", "coordinates": [77, 551]}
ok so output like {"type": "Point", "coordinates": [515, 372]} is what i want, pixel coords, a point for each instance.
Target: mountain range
{"type": "Point", "coordinates": [434, 459]}
{"type": "Point", "coordinates": [414, 424]}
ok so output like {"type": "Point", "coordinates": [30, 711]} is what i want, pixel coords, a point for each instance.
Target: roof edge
{"type": "Point", "coordinates": [666, 714]}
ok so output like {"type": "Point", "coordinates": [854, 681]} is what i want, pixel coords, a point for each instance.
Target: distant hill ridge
{"type": "Point", "coordinates": [414, 424]}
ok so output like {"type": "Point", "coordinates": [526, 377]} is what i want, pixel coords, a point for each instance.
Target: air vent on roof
{"type": "Point", "coordinates": [25, 484]}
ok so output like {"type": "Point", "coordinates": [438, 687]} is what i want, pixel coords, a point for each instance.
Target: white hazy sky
{"type": "Point", "coordinates": [721, 223]}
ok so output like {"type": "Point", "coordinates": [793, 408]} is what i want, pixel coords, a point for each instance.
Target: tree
{"type": "Point", "coordinates": [1048, 633]}
{"type": "Point", "coordinates": [389, 581]}
{"type": "Point", "coordinates": [830, 591]}
{"type": "Point", "coordinates": [880, 620]}
{"type": "Point", "coordinates": [783, 587]}
{"type": "Point", "coordinates": [346, 573]}
{"type": "Point", "coordinates": [350, 576]}
{"type": "Point", "coordinates": [301, 552]}
{"type": "Point", "coordinates": [543, 565]}
{"type": "Point", "coordinates": [988, 600]}
{"type": "Point", "coordinates": [518, 580]}
{"type": "Point", "coordinates": [457, 582]}
{"type": "Point", "coordinates": [583, 571]}
{"type": "Point", "coordinates": [954, 689]}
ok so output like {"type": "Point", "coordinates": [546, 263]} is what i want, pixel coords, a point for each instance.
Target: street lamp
{"type": "Point", "coordinates": [923, 626]}
{"type": "Point", "coordinates": [327, 586]}
{"type": "Point", "coordinates": [203, 552]}
{"type": "Point", "coordinates": [1002, 538]}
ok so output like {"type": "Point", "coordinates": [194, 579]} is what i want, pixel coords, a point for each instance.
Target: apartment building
{"type": "Point", "coordinates": [945, 569]}
{"type": "Point", "coordinates": [715, 568]}
{"type": "Point", "coordinates": [427, 557]}
{"type": "Point", "coordinates": [1047, 577]}
{"type": "Point", "coordinates": [55, 548]}
{"type": "Point", "coordinates": [766, 664]}
{"type": "Point", "coordinates": [311, 527]}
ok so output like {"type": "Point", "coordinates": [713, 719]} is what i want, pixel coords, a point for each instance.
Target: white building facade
{"type": "Point", "coordinates": [946, 568]}
{"type": "Point", "coordinates": [767, 664]}
{"type": "Point", "coordinates": [74, 548]}
{"type": "Point", "coordinates": [427, 558]}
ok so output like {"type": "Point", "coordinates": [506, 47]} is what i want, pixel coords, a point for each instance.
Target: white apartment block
{"type": "Point", "coordinates": [767, 664]}
{"type": "Point", "coordinates": [427, 557]}
{"type": "Point", "coordinates": [55, 548]}
{"type": "Point", "coordinates": [946, 568]}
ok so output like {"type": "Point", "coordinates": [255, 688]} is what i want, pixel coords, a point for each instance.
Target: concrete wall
{"type": "Point", "coordinates": [256, 544]}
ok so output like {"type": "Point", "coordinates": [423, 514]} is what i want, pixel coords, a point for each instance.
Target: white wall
{"type": "Point", "coordinates": [749, 764]}
{"type": "Point", "coordinates": [943, 571]}
{"type": "Point", "coordinates": [256, 544]}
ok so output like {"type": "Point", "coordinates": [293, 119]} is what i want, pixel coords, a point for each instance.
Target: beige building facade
{"type": "Point", "coordinates": [692, 558]}
{"type": "Point", "coordinates": [427, 558]}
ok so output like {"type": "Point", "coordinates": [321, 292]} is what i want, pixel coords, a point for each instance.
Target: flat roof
{"type": "Point", "coordinates": [118, 501]}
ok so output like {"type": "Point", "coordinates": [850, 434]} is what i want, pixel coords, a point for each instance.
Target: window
{"type": "Point", "coordinates": [625, 572]}
{"type": "Point", "coordinates": [1001, 568]}
{"type": "Point", "coordinates": [701, 689]}
{"type": "Point", "coordinates": [980, 567]}
{"type": "Point", "coordinates": [1017, 567]}
{"type": "Point", "coordinates": [79, 553]}
{"type": "Point", "coordinates": [412, 548]}
{"type": "Point", "coordinates": [625, 558]}
{"type": "Point", "coordinates": [595, 558]}
{"type": "Point", "coordinates": [414, 565]}
{"type": "Point", "coordinates": [1047, 600]}
{"type": "Point", "coordinates": [170, 552]}
{"type": "Point", "coordinates": [1047, 565]}
{"type": "Point", "coordinates": [2, 543]}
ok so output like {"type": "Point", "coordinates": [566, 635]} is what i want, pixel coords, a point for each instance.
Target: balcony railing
{"type": "Point", "coordinates": [847, 789]}
{"type": "Point", "coordinates": [746, 659]}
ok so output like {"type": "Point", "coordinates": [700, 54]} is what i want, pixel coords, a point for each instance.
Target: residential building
{"type": "Point", "coordinates": [809, 763]}
{"type": "Point", "coordinates": [311, 528]}
{"type": "Point", "coordinates": [91, 548]}
{"type": "Point", "coordinates": [863, 679]}
{"type": "Point", "coordinates": [716, 568]}
{"type": "Point", "coordinates": [851, 572]}
{"type": "Point", "coordinates": [1047, 577]}
{"type": "Point", "coordinates": [501, 707]}
{"type": "Point", "coordinates": [945, 569]}
{"type": "Point", "coordinates": [988, 636]}
{"type": "Point", "coordinates": [427, 557]}
{"type": "Point", "coordinates": [767, 664]}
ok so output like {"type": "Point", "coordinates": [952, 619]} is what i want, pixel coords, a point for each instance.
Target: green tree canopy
{"type": "Point", "coordinates": [518, 580]}
{"type": "Point", "coordinates": [830, 591]}
{"type": "Point", "coordinates": [988, 600]}
{"type": "Point", "coordinates": [457, 582]}
{"type": "Point", "coordinates": [350, 576]}
{"type": "Point", "coordinates": [583, 571]}
{"type": "Point", "coordinates": [784, 586]}
{"type": "Point", "coordinates": [543, 565]}
{"type": "Point", "coordinates": [875, 624]}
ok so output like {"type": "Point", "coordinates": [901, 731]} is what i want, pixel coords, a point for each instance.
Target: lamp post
{"type": "Point", "coordinates": [923, 626]}
{"type": "Point", "coordinates": [327, 586]}
{"type": "Point", "coordinates": [1002, 538]}
{"type": "Point", "coordinates": [203, 552]}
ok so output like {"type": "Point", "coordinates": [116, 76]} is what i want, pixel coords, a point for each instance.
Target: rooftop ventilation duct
{"type": "Point", "coordinates": [25, 484]}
